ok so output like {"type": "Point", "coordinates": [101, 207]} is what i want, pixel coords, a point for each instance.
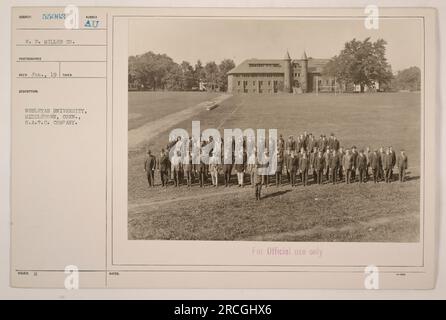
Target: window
{"type": "Point", "coordinates": [298, 74]}
{"type": "Point", "coordinates": [238, 83]}
{"type": "Point", "coordinates": [260, 65]}
{"type": "Point", "coordinates": [269, 83]}
{"type": "Point", "coordinates": [254, 83]}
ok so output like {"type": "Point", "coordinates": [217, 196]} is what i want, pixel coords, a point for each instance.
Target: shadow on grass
{"type": "Point", "coordinates": [275, 194]}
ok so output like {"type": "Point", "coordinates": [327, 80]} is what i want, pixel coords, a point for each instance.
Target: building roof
{"type": "Point", "coordinates": [259, 66]}
{"type": "Point", "coordinates": [276, 66]}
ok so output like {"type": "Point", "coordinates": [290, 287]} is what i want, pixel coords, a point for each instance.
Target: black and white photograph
{"type": "Point", "coordinates": [274, 129]}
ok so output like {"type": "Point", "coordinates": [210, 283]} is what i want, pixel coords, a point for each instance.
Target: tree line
{"type": "Point", "coordinates": [152, 71]}
{"type": "Point", "coordinates": [364, 63]}
{"type": "Point", "coordinates": [361, 63]}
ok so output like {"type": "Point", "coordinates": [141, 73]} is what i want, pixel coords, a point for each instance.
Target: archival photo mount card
{"type": "Point", "coordinates": [223, 148]}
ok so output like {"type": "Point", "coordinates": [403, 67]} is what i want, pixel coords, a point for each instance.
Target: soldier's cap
{"type": "Point", "coordinates": [354, 147]}
{"type": "Point", "coordinates": [376, 150]}
{"type": "Point", "coordinates": [362, 150]}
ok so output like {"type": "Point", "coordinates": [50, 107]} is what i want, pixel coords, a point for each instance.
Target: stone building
{"type": "Point", "coordinates": [280, 75]}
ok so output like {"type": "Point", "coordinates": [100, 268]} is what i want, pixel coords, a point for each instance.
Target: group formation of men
{"type": "Point", "coordinates": [323, 158]}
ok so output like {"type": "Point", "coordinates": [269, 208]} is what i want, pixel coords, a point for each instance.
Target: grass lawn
{"type": "Point", "coordinates": [369, 212]}
{"type": "Point", "coordinates": [147, 106]}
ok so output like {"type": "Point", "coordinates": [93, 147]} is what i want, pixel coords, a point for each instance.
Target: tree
{"type": "Point", "coordinates": [211, 75]}
{"type": "Point", "coordinates": [407, 79]}
{"type": "Point", "coordinates": [173, 79]}
{"type": "Point", "coordinates": [187, 81]}
{"type": "Point", "coordinates": [151, 71]}
{"type": "Point", "coordinates": [131, 69]}
{"type": "Point", "coordinates": [199, 74]}
{"type": "Point", "coordinates": [337, 69]}
{"type": "Point", "coordinates": [361, 63]}
{"type": "Point", "coordinates": [223, 68]}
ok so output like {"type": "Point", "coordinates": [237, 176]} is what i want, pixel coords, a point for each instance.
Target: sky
{"type": "Point", "coordinates": [240, 39]}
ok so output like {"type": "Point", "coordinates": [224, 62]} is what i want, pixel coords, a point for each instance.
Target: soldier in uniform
{"type": "Point", "coordinates": [240, 169]}
{"type": "Point", "coordinates": [319, 165]}
{"type": "Point", "coordinates": [281, 146]}
{"type": "Point", "coordinates": [327, 156]}
{"type": "Point", "coordinates": [382, 155]}
{"type": "Point", "coordinates": [361, 165]}
{"type": "Point", "coordinates": [401, 164]}
{"type": "Point", "coordinates": [304, 164]}
{"type": "Point", "coordinates": [201, 172]}
{"type": "Point", "coordinates": [387, 165]}
{"type": "Point", "coordinates": [258, 181]}
{"type": "Point", "coordinates": [227, 167]}
{"type": "Point", "coordinates": [214, 167]}
{"type": "Point", "coordinates": [290, 145]}
{"type": "Point", "coordinates": [375, 164]}
{"type": "Point", "coordinates": [293, 164]}
{"type": "Point", "coordinates": [149, 168]}
{"type": "Point", "coordinates": [305, 136]}
{"type": "Point", "coordinates": [300, 143]}
{"type": "Point", "coordinates": [393, 156]}
{"type": "Point", "coordinates": [341, 155]}
{"type": "Point", "coordinates": [322, 144]}
{"type": "Point", "coordinates": [334, 166]}
{"type": "Point", "coordinates": [164, 166]}
{"type": "Point", "coordinates": [336, 144]}
{"type": "Point", "coordinates": [311, 143]}
{"type": "Point", "coordinates": [187, 165]}
{"type": "Point", "coordinates": [354, 155]}
{"type": "Point", "coordinates": [347, 164]}
{"type": "Point", "coordinates": [265, 165]}
{"type": "Point", "coordinates": [279, 169]}
{"type": "Point", "coordinates": [330, 141]}
{"type": "Point", "coordinates": [312, 167]}
{"type": "Point", "coordinates": [177, 168]}
{"type": "Point", "coordinates": [367, 154]}
{"type": "Point", "coordinates": [251, 168]}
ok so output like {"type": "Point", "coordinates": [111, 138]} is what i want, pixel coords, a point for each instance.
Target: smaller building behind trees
{"type": "Point", "coordinates": [407, 80]}
{"type": "Point", "coordinates": [151, 71]}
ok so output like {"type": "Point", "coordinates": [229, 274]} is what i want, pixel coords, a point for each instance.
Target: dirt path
{"type": "Point", "coordinates": [149, 130]}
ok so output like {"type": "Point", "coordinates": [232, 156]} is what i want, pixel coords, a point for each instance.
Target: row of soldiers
{"type": "Point", "coordinates": [324, 159]}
